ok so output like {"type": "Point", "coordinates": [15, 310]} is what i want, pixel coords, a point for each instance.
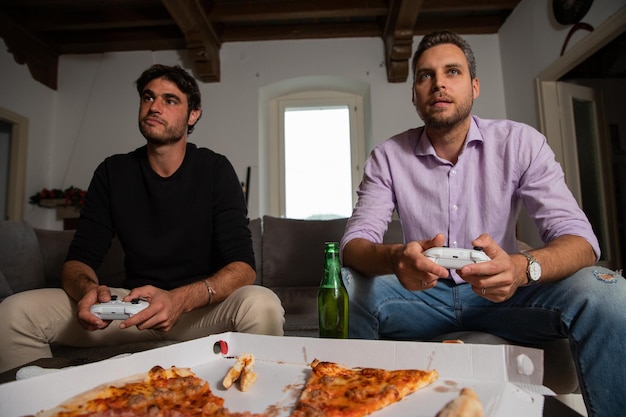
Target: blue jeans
{"type": "Point", "coordinates": [588, 308]}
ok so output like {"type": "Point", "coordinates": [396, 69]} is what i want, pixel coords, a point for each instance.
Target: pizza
{"type": "Point", "coordinates": [173, 392]}
{"type": "Point", "coordinates": [333, 390]}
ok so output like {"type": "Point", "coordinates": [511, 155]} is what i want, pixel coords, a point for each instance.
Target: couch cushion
{"type": "Point", "coordinates": [111, 271]}
{"type": "Point", "coordinates": [293, 250]}
{"type": "Point", "coordinates": [54, 245]}
{"type": "Point", "coordinates": [257, 239]}
{"type": "Point", "coordinates": [20, 258]}
{"type": "Point", "coordinates": [394, 232]}
{"type": "Point", "coordinates": [5, 289]}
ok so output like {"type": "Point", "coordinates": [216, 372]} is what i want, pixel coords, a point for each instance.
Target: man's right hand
{"type": "Point", "coordinates": [99, 294]}
{"type": "Point", "coordinates": [414, 270]}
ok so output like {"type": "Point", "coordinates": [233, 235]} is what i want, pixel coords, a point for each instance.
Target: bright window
{"type": "Point", "coordinates": [318, 181]}
{"type": "Point", "coordinates": [319, 154]}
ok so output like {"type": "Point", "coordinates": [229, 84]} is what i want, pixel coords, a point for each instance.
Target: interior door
{"type": "Point", "coordinates": [587, 163]}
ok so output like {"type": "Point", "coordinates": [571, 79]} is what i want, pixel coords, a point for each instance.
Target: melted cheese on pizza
{"type": "Point", "coordinates": [333, 390]}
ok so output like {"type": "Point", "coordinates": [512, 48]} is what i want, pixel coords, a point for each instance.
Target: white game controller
{"type": "Point", "coordinates": [117, 309]}
{"type": "Point", "coordinates": [452, 258]}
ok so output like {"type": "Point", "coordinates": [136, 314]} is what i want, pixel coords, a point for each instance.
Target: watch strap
{"type": "Point", "coordinates": [530, 258]}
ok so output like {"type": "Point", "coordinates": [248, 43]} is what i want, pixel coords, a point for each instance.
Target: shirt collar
{"type": "Point", "coordinates": [424, 147]}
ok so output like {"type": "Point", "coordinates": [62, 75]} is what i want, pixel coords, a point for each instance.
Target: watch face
{"type": "Point", "coordinates": [568, 12]}
{"type": "Point", "coordinates": [534, 271]}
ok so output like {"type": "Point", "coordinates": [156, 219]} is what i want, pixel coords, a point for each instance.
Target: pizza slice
{"type": "Point", "coordinates": [161, 392]}
{"type": "Point", "coordinates": [333, 390]}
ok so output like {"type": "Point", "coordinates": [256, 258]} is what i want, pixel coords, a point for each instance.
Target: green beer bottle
{"type": "Point", "coordinates": [332, 297]}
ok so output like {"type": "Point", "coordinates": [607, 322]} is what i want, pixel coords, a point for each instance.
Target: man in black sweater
{"type": "Point", "coordinates": [180, 215]}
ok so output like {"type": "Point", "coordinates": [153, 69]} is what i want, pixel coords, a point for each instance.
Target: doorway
{"type": "Point", "coordinates": [569, 67]}
{"type": "Point", "coordinates": [13, 146]}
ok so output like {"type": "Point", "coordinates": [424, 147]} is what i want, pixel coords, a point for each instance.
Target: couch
{"type": "Point", "coordinates": [289, 255]}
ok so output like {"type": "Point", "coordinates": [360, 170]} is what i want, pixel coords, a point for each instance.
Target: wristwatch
{"type": "Point", "coordinates": [533, 270]}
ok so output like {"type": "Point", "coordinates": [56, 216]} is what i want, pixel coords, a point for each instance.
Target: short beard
{"type": "Point", "coordinates": [169, 138]}
{"type": "Point", "coordinates": [439, 123]}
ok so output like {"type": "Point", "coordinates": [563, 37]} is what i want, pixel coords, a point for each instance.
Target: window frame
{"type": "Point", "coordinates": [313, 99]}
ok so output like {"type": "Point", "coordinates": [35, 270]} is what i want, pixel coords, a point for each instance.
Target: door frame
{"type": "Point", "coordinates": [546, 81]}
{"type": "Point", "coordinates": [547, 91]}
{"type": "Point", "coordinates": [17, 164]}
{"type": "Point", "coordinates": [608, 236]}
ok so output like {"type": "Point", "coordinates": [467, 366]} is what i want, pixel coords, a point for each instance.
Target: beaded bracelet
{"type": "Point", "coordinates": [210, 290]}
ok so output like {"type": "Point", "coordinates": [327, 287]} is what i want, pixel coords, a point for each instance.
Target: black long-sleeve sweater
{"type": "Point", "coordinates": [174, 230]}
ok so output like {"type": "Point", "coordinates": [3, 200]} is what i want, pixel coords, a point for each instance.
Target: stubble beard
{"type": "Point", "coordinates": [171, 134]}
{"type": "Point", "coordinates": [438, 121]}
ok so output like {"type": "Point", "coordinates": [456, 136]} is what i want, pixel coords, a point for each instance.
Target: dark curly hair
{"type": "Point", "coordinates": [443, 37]}
{"type": "Point", "coordinates": [185, 83]}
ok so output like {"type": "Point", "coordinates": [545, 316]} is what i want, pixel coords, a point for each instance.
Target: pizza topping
{"type": "Point", "coordinates": [334, 390]}
{"type": "Point", "coordinates": [331, 390]}
{"type": "Point", "coordinates": [242, 370]}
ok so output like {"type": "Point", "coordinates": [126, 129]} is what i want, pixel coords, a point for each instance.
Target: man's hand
{"type": "Point", "coordinates": [87, 319]}
{"type": "Point", "coordinates": [162, 313]}
{"type": "Point", "coordinates": [414, 270]}
{"type": "Point", "coordinates": [496, 280]}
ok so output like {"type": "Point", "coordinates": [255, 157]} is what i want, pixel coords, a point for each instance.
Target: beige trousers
{"type": "Point", "coordinates": [32, 320]}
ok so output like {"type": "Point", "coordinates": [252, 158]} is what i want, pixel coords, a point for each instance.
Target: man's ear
{"type": "Point", "coordinates": [194, 115]}
{"type": "Point", "coordinates": [476, 87]}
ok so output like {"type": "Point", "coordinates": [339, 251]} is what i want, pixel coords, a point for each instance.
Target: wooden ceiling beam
{"type": "Point", "coordinates": [314, 31]}
{"type": "Point", "coordinates": [283, 9]}
{"type": "Point", "coordinates": [441, 6]}
{"type": "Point", "coordinates": [478, 25]}
{"type": "Point", "coordinates": [42, 60]}
{"type": "Point", "coordinates": [398, 37]}
{"type": "Point", "coordinates": [122, 40]}
{"type": "Point", "coordinates": [203, 44]}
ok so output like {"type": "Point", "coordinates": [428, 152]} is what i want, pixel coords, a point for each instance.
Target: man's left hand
{"type": "Point", "coordinates": [496, 280]}
{"type": "Point", "coordinates": [162, 313]}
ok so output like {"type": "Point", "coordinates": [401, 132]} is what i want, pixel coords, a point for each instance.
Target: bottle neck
{"type": "Point", "coordinates": [332, 269]}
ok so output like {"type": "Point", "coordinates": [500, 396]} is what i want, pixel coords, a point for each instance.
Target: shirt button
{"type": "Point", "coordinates": [454, 244]}
{"type": "Point", "coordinates": [455, 207]}
{"type": "Point", "coordinates": [453, 172]}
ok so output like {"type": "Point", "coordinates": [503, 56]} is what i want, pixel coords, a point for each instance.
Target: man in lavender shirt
{"type": "Point", "coordinates": [461, 181]}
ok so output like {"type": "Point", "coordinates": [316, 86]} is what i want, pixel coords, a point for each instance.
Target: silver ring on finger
{"type": "Point", "coordinates": [424, 284]}
{"type": "Point", "coordinates": [483, 290]}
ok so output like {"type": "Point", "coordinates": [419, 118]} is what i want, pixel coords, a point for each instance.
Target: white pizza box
{"type": "Point", "coordinates": [506, 378]}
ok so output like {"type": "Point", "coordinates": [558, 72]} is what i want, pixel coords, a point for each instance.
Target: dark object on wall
{"type": "Point", "coordinates": [577, 26]}
{"type": "Point", "coordinates": [568, 12]}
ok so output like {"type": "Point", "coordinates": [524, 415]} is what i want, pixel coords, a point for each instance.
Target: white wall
{"type": "Point", "coordinates": [531, 40]}
{"type": "Point", "coordinates": [93, 114]}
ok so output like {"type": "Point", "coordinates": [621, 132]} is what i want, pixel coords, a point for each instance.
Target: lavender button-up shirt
{"type": "Point", "coordinates": [502, 166]}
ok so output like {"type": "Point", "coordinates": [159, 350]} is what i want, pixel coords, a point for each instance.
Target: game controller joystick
{"type": "Point", "coordinates": [453, 258]}
{"type": "Point", "coordinates": [117, 309]}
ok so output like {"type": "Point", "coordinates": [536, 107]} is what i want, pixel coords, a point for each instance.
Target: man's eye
{"type": "Point", "coordinates": [454, 71]}
{"type": "Point", "coordinates": [424, 76]}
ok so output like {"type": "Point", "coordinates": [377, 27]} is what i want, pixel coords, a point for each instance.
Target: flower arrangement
{"type": "Point", "coordinates": [72, 196]}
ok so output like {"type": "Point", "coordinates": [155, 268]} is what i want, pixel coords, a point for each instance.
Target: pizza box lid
{"type": "Point", "coordinates": [507, 378]}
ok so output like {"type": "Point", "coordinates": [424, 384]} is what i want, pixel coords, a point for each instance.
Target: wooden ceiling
{"type": "Point", "coordinates": [37, 32]}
